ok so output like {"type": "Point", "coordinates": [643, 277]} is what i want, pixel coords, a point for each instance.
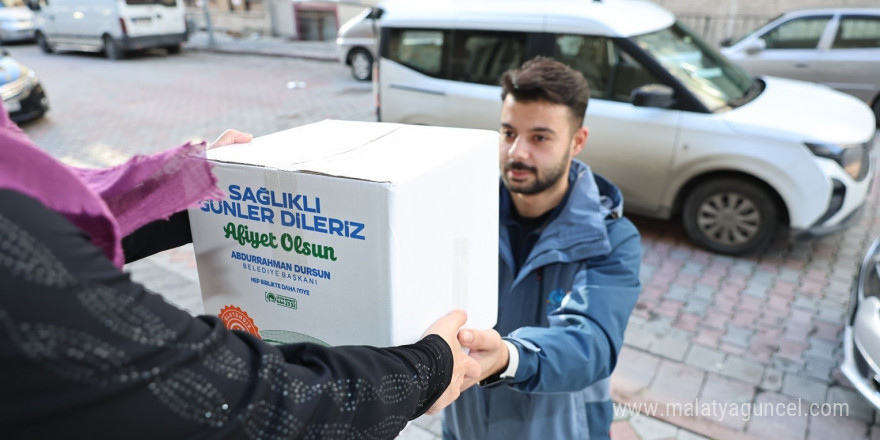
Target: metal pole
{"type": "Point", "coordinates": [208, 25]}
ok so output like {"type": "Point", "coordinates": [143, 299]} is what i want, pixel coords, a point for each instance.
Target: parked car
{"type": "Point", "coordinates": [21, 91]}
{"type": "Point", "coordinates": [837, 47]}
{"type": "Point", "coordinates": [356, 44]}
{"type": "Point", "coordinates": [861, 335]}
{"type": "Point", "coordinates": [16, 22]}
{"type": "Point", "coordinates": [111, 26]}
{"type": "Point", "coordinates": [677, 126]}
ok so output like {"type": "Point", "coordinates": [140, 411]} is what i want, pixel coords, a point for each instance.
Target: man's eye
{"type": "Point", "coordinates": [540, 138]}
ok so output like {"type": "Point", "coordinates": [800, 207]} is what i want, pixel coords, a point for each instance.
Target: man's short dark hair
{"type": "Point", "coordinates": [545, 79]}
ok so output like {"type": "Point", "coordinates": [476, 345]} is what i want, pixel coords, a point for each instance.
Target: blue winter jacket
{"type": "Point", "coordinates": [566, 311]}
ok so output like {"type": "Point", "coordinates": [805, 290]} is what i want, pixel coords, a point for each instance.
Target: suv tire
{"type": "Point", "coordinates": [730, 216]}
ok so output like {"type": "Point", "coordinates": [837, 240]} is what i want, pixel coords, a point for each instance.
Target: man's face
{"type": "Point", "coordinates": [537, 142]}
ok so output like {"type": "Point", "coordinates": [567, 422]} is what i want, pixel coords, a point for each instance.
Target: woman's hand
{"type": "Point", "coordinates": [231, 136]}
{"type": "Point", "coordinates": [466, 371]}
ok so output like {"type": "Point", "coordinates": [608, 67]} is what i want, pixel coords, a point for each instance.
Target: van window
{"type": "Point", "coordinates": [421, 50]}
{"type": "Point", "coordinates": [800, 33]}
{"type": "Point", "coordinates": [591, 56]}
{"type": "Point", "coordinates": [482, 57]}
{"type": "Point", "coordinates": [858, 32]}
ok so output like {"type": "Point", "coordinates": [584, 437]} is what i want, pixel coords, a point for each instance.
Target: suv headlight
{"type": "Point", "coordinates": [854, 159]}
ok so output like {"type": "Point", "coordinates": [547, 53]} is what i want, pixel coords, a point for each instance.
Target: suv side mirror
{"type": "Point", "coordinates": [653, 95]}
{"type": "Point", "coordinates": [727, 42]}
{"type": "Point", "coordinates": [33, 5]}
{"type": "Point", "coordinates": [755, 46]}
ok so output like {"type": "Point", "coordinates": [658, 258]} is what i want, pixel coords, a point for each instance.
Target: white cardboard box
{"type": "Point", "coordinates": [351, 232]}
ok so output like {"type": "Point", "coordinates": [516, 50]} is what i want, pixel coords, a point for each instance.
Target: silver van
{"type": "Point", "coordinates": [111, 26]}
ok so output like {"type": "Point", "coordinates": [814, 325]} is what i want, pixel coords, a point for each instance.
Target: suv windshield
{"type": "Point", "coordinates": [713, 79]}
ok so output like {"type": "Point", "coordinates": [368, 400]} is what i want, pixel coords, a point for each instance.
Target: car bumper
{"type": "Point", "coordinates": [858, 370]}
{"type": "Point", "coordinates": [33, 105]}
{"type": "Point", "coordinates": [823, 229]}
{"type": "Point", "coordinates": [845, 206]}
{"type": "Point", "coordinates": [152, 41]}
{"type": "Point", "coordinates": [861, 336]}
{"type": "Point", "coordinates": [8, 35]}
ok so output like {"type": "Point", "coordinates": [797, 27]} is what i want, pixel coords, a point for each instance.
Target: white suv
{"type": "Point", "coordinates": [677, 126]}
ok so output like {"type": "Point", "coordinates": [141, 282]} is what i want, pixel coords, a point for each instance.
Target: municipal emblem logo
{"type": "Point", "coordinates": [235, 318]}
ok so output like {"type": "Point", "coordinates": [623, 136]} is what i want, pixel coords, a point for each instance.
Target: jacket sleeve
{"type": "Point", "coordinates": [157, 236]}
{"type": "Point", "coordinates": [87, 350]}
{"type": "Point", "coordinates": [585, 335]}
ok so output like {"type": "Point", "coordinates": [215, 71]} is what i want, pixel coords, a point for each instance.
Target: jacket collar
{"type": "Point", "coordinates": [578, 232]}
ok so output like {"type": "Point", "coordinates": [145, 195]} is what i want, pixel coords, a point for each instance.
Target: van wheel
{"type": "Point", "coordinates": [174, 49]}
{"type": "Point", "coordinates": [361, 65]}
{"type": "Point", "coordinates": [43, 43]}
{"type": "Point", "coordinates": [730, 216]}
{"type": "Point", "coordinates": [111, 49]}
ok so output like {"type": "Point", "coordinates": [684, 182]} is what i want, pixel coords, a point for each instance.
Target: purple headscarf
{"type": "Point", "coordinates": [109, 203]}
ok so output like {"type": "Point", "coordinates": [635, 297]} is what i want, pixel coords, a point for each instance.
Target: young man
{"type": "Point", "coordinates": [568, 274]}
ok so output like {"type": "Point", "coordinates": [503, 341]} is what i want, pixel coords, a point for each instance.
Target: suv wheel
{"type": "Point", "coordinates": [361, 65]}
{"type": "Point", "coordinates": [730, 216]}
{"type": "Point", "coordinates": [112, 49]}
{"type": "Point", "coordinates": [43, 43]}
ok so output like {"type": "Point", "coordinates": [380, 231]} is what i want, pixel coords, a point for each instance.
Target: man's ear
{"type": "Point", "coordinates": [579, 140]}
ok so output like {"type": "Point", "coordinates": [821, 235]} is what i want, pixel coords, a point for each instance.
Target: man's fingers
{"type": "Point", "coordinates": [478, 340]}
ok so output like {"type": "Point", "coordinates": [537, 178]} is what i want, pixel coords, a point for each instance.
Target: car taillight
{"type": "Point", "coordinates": [122, 26]}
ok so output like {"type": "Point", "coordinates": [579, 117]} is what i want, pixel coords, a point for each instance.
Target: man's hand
{"type": "Point", "coordinates": [231, 136]}
{"type": "Point", "coordinates": [487, 348]}
{"type": "Point", "coordinates": [465, 371]}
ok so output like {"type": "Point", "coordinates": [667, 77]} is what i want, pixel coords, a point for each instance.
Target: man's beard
{"type": "Point", "coordinates": [543, 180]}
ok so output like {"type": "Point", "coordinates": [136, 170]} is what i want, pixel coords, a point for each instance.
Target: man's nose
{"type": "Point", "coordinates": [517, 148]}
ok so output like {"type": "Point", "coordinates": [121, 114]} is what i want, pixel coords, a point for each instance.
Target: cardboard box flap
{"type": "Point", "coordinates": [290, 149]}
{"type": "Point", "coordinates": [356, 150]}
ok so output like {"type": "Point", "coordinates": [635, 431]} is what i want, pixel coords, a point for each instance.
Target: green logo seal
{"type": "Point", "coordinates": [283, 301]}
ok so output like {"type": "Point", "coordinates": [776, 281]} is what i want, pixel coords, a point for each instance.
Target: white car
{"type": "Point", "coordinates": [682, 130]}
{"type": "Point", "coordinates": [356, 44]}
{"type": "Point", "coordinates": [861, 335]}
{"type": "Point", "coordinates": [837, 47]}
{"type": "Point", "coordinates": [16, 21]}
